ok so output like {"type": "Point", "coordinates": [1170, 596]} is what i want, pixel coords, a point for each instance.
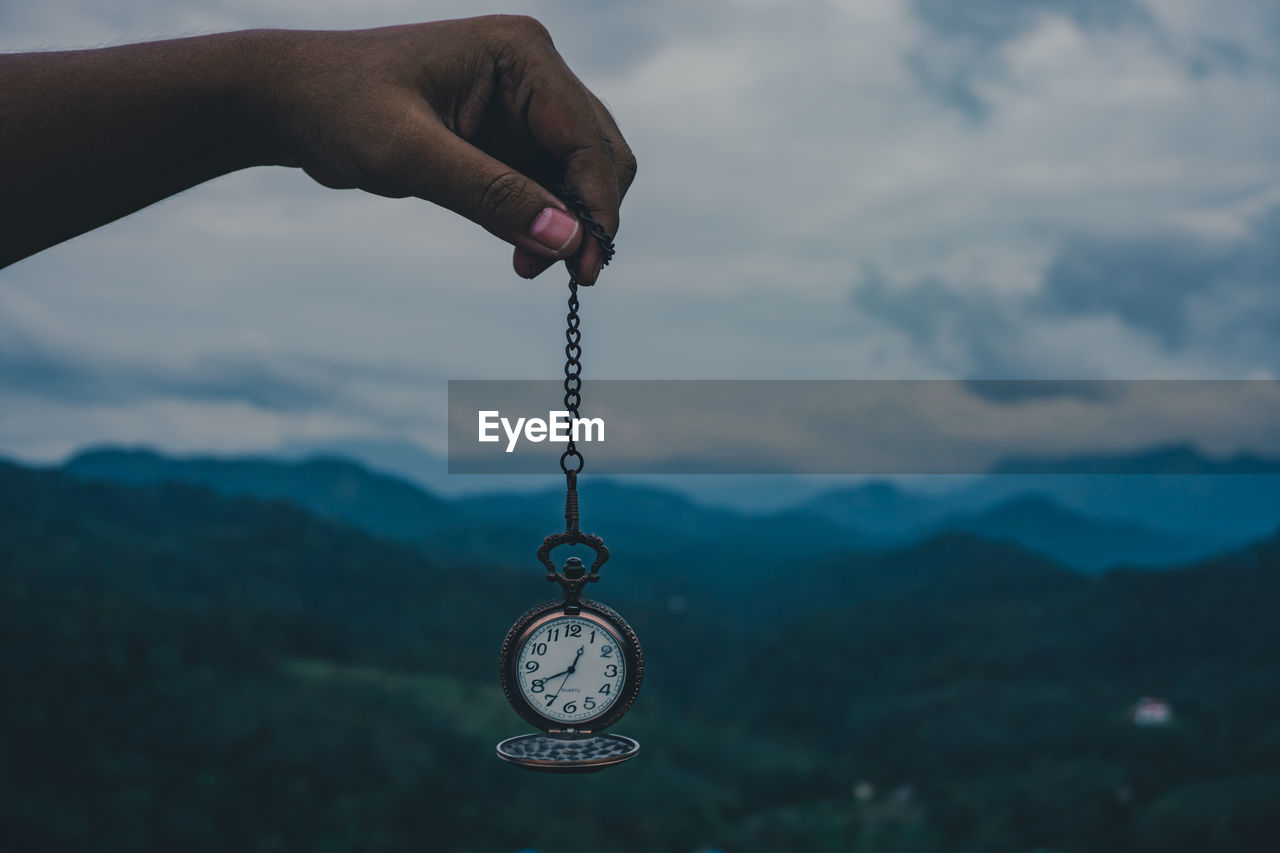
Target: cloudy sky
{"type": "Point", "coordinates": [859, 189]}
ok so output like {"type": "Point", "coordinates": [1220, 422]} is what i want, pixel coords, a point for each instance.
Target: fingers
{"type": "Point", "coordinates": [623, 164]}
{"type": "Point", "coordinates": [528, 265]}
{"type": "Point", "coordinates": [438, 166]}
{"type": "Point", "coordinates": [624, 160]}
{"type": "Point", "coordinates": [576, 130]}
{"type": "Point", "coordinates": [532, 117]}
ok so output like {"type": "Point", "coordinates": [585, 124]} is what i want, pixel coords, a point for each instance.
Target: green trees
{"type": "Point", "coordinates": [187, 671]}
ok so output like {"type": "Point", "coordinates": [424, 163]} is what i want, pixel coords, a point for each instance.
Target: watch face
{"type": "Point", "coordinates": [571, 672]}
{"type": "Point", "coordinates": [571, 669]}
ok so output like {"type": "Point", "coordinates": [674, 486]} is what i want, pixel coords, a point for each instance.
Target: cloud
{"type": "Point", "coordinates": [1149, 283]}
{"type": "Point", "coordinates": [969, 36]}
{"type": "Point", "coordinates": [1185, 291]}
{"type": "Point", "coordinates": [1013, 393]}
{"type": "Point", "coordinates": [1106, 217]}
{"type": "Point", "coordinates": [1185, 299]}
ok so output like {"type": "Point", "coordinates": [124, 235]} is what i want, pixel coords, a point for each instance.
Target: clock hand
{"type": "Point", "coordinates": [563, 671]}
{"type": "Point", "coordinates": [568, 672]}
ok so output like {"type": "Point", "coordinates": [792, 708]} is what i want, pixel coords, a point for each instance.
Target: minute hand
{"type": "Point", "coordinates": [568, 672]}
{"type": "Point", "coordinates": [565, 671]}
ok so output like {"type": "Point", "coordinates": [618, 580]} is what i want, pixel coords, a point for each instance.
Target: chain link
{"type": "Point", "coordinates": [573, 335]}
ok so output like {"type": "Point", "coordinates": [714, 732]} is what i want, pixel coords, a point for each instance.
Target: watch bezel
{"type": "Point", "coordinates": [531, 622]}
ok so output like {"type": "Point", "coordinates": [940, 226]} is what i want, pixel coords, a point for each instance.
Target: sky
{"type": "Point", "coordinates": [881, 189]}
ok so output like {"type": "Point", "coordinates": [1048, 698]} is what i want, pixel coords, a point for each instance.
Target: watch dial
{"type": "Point", "coordinates": [571, 669]}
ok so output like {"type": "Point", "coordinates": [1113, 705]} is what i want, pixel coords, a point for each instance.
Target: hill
{"type": "Point", "coordinates": [1083, 521]}
{"type": "Point", "coordinates": [1040, 524]}
{"type": "Point", "coordinates": [187, 670]}
{"type": "Point", "coordinates": [327, 486]}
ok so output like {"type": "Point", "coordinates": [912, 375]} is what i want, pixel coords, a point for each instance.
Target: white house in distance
{"type": "Point", "coordinates": [1151, 711]}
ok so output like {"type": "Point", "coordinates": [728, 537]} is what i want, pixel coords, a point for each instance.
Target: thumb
{"type": "Point", "coordinates": [461, 177]}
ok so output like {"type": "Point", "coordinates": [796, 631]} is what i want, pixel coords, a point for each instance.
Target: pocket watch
{"type": "Point", "coordinates": [571, 667]}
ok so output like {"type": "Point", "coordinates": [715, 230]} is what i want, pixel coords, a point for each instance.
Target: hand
{"type": "Point", "coordinates": [478, 115]}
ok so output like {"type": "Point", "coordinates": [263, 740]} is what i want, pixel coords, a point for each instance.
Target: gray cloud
{"type": "Point", "coordinates": [976, 332]}
{"type": "Point", "coordinates": [1172, 286]}
{"type": "Point", "coordinates": [1012, 393]}
{"type": "Point", "coordinates": [969, 35]}
{"type": "Point", "coordinates": [1099, 221]}
{"type": "Point", "coordinates": [1148, 283]}
{"type": "Point", "coordinates": [1188, 295]}
{"type": "Point", "coordinates": [992, 22]}
{"type": "Point", "coordinates": [65, 378]}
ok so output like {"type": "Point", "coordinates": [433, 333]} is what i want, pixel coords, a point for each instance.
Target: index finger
{"type": "Point", "coordinates": [564, 120]}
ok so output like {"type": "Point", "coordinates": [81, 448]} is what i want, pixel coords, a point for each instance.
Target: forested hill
{"type": "Point", "coordinates": [185, 670]}
{"type": "Point", "coordinates": [1086, 522]}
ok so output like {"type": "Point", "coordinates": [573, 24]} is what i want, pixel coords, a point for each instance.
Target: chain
{"type": "Point", "coordinates": [571, 460]}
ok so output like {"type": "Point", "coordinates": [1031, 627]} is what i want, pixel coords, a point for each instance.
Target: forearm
{"type": "Point", "coordinates": [479, 115]}
{"type": "Point", "coordinates": [89, 136]}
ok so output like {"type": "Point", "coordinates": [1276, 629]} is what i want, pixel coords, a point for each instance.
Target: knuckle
{"type": "Point", "coordinates": [501, 195]}
{"type": "Point", "coordinates": [627, 165]}
{"type": "Point", "coordinates": [523, 27]}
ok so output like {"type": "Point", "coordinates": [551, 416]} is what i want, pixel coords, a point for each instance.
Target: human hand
{"type": "Point", "coordinates": [478, 115]}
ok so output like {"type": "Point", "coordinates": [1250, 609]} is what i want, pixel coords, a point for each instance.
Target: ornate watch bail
{"type": "Point", "coordinates": [574, 576]}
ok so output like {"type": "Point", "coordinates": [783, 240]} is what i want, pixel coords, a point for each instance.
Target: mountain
{"type": "Point", "coordinates": [945, 566]}
{"type": "Point", "coordinates": [679, 545]}
{"type": "Point", "coordinates": [191, 670]}
{"type": "Point", "coordinates": [755, 494]}
{"type": "Point", "coordinates": [1226, 510]}
{"type": "Point", "coordinates": [1187, 503]}
{"type": "Point", "coordinates": [407, 461]}
{"type": "Point", "coordinates": [1164, 460]}
{"type": "Point", "coordinates": [991, 682]}
{"type": "Point", "coordinates": [882, 515]}
{"type": "Point", "coordinates": [329, 487]}
{"type": "Point", "coordinates": [1173, 489]}
{"type": "Point", "coordinates": [1040, 524]}
{"type": "Point", "coordinates": [662, 543]}
{"type": "Point", "coordinates": [880, 511]}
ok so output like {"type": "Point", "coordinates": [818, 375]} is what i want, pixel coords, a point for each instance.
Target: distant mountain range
{"type": "Point", "coordinates": [1086, 521]}
{"type": "Point", "coordinates": [327, 486]}
{"type": "Point", "coordinates": [1173, 489]}
{"type": "Point", "coordinates": [1169, 459]}
{"type": "Point", "coordinates": [212, 667]}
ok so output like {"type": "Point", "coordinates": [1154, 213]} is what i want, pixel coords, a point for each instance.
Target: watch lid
{"type": "Point", "coordinates": [567, 753]}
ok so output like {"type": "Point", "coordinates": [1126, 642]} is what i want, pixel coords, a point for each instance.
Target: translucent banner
{"type": "Point", "coordinates": [873, 427]}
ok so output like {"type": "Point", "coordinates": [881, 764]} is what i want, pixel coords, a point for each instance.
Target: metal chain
{"type": "Point", "coordinates": [573, 349]}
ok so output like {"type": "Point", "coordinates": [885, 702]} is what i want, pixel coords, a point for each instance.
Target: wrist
{"type": "Point", "coordinates": [252, 66]}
